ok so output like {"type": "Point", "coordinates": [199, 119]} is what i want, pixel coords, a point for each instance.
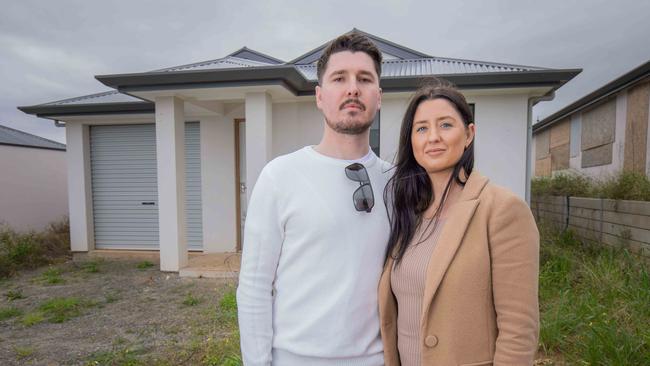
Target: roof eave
{"type": "Point", "coordinates": [489, 80]}
{"type": "Point", "coordinates": [232, 76]}
{"type": "Point", "coordinates": [289, 77]}
{"type": "Point", "coordinates": [50, 111]}
{"type": "Point", "coordinates": [34, 147]}
{"type": "Point", "coordinates": [639, 73]}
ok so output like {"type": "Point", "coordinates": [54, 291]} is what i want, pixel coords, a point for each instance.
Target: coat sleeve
{"type": "Point", "coordinates": [263, 237]}
{"type": "Point", "coordinates": [514, 252]}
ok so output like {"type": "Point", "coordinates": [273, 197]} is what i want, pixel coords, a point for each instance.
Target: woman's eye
{"type": "Point", "coordinates": [446, 125]}
{"type": "Point", "coordinates": [421, 129]}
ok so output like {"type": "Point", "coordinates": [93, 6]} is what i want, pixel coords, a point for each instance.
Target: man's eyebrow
{"type": "Point", "coordinates": [364, 72]}
{"type": "Point", "coordinates": [337, 72]}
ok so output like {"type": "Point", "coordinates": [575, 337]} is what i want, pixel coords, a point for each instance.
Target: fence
{"type": "Point", "coordinates": [616, 223]}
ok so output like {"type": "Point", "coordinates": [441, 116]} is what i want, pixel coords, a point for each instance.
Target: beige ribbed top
{"type": "Point", "coordinates": [407, 281]}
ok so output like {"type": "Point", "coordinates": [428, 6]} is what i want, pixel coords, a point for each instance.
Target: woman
{"type": "Point", "coordinates": [459, 285]}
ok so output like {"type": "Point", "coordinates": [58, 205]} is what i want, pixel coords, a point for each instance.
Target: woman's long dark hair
{"type": "Point", "coordinates": [409, 192]}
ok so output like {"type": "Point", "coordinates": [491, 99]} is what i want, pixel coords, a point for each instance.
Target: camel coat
{"type": "Point", "coordinates": [480, 299]}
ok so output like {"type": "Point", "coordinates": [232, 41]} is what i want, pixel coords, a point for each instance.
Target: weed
{"type": "Point", "coordinates": [12, 295]}
{"type": "Point", "coordinates": [593, 302]}
{"type": "Point", "coordinates": [32, 249]}
{"type": "Point", "coordinates": [623, 186]}
{"type": "Point", "coordinates": [61, 309]}
{"type": "Point", "coordinates": [52, 276]}
{"type": "Point", "coordinates": [144, 265]}
{"type": "Point", "coordinates": [90, 267]}
{"type": "Point", "coordinates": [11, 312]}
{"type": "Point", "coordinates": [119, 356]}
{"type": "Point", "coordinates": [111, 297]}
{"type": "Point", "coordinates": [23, 352]}
{"type": "Point", "coordinates": [190, 300]}
{"type": "Point", "coordinates": [32, 319]}
{"type": "Point", "coordinates": [227, 311]}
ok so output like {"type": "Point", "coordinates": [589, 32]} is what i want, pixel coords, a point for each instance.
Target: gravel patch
{"type": "Point", "coordinates": [122, 307]}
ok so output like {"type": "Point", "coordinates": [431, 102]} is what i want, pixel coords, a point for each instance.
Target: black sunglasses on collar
{"type": "Point", "coordinates": [362, 197]}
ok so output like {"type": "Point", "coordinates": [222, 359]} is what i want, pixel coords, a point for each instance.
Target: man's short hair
{"type": "Point", "coordinates": [353, 42]}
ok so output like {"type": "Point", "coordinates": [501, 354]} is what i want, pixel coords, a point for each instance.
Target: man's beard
{"type": "Point", "coordinates": [349, 126]}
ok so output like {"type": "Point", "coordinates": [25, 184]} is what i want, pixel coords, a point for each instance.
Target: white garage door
{"type": "Point", "coordinates": [124, 186]}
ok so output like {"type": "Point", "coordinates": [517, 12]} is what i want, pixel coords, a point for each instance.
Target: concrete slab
{"type": "Point", "coordinates": [213, 265]}
{"type": "Point", "coordinates": [150, 255]}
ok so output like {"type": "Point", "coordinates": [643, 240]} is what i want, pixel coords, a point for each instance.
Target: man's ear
{"type": "Point", "coordinates": [318, 96]}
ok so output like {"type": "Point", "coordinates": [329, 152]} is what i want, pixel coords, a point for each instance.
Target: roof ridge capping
{"type": "Point", "coordinates": [245, 49]}
{"type": "Point", "coordinates": [240, 53]}
{"type": "Point", "coordinates": [381, 43]}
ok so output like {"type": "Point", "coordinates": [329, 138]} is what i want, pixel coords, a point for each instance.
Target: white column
{"type": "Point", "coordinates": [82, 237]}
{"type": "Point", "coordinates": [390, 123]}
{"type": "Point", "coordinates": [218, 191]}
{"type": "Point", "coordinates": [170, 156]}
{"type": "Point", "coordinates": [258, 136]}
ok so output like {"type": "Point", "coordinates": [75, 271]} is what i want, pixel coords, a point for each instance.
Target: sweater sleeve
{"type": "Point", "coordinates": [514, 247]}
{"type": "Point", "coordinates": [263, 238]}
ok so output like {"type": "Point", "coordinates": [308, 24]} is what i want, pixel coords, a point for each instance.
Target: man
{"type": "Point", "coordinates": [314, 244]}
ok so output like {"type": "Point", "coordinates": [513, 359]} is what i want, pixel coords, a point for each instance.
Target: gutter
{"type": "Point", "coordinates": [529, 138]}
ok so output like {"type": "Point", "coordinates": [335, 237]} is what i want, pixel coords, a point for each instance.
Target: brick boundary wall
{"type": "Point", "coordinates": [616, 223]}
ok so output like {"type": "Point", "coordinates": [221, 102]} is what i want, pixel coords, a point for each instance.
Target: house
{"type": "Point", "coordinates": [600, 134]}
{"type": "Point", "coordinates": [168, 160]}
{"type": "Point", "coordinates": [33, 175]}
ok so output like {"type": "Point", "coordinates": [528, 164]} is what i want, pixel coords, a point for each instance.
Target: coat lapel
{"type": "Point", "coordinates": [450, 238]}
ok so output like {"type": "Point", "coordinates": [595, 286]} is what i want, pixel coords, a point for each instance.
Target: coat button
{"type": "Point", "coordinates": [431, 341]}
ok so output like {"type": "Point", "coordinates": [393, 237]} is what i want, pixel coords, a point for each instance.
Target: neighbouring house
{"type": "Point", "coordinates": [168, 160]}
{"type": "Point", "coordinates": [600, 134]}
{"type": "Point", "coordinates": [33, 176]}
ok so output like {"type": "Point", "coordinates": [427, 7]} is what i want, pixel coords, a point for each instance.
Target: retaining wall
{"type": "Point", "coordinates": [616, 223]}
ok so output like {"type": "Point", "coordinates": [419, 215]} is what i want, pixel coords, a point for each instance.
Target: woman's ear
{"type": "Point", "coordinates": [471, 133]}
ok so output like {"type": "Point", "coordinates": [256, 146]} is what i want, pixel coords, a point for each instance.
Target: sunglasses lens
{"type": "Point", "coordinates": [363, 198]}
{"type": "Point", "coordinates": [357, 172]}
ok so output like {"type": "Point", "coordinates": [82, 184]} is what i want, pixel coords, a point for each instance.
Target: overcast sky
{"type": "Point", "coordinates": [51, 50]}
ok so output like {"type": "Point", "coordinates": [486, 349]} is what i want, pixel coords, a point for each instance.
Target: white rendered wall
{"type": "Point", "coordinates": [500, 146]}
{"type": "Point", "coordinates": [82, 236]}
{"type": "Point", "coordinates": [500, 150]}
{"type": "Point", "coordinates": [295, 125]}
{"type": "Point", "coordinates": [33, 187]}
{"type": "Point", "coordinates": [390, 122]}
{"type": "Point", "coordinates": [218, 190]}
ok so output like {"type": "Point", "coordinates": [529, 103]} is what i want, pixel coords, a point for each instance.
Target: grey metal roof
{"type": "Point", "coordinates": [253, 55]}
{"type": "Point", "coordinates": [385, 46]}
{"type": "Point", "coordinates": [10, 136]}
{"type": "Point", "coordinates": [93, 104]}
{"type": "Point", "coordinates": [641, 72]}
{"type": "Point", "coordinates": [249, 67]}
{"type": "Point", "coordinates": [228, 62]}
{"type": "Point", "coordinates": [112, 96]}
{"type": "Point", "coordinates": [433, 66]}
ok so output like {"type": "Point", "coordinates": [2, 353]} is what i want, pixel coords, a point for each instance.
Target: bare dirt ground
{"type": "Point", "coordinates": [121, 311]}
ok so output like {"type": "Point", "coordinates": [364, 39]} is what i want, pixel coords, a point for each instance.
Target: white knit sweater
{"type": "Point", "coordinates": [311, 263]}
